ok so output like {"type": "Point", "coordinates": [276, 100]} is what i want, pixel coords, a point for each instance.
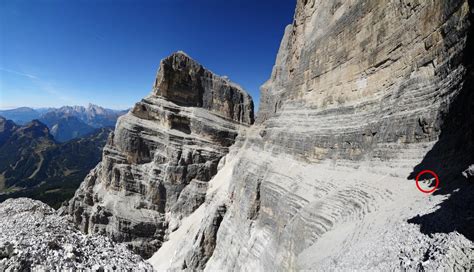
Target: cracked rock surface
{"type": "Point", "coordinates": [34, 237]}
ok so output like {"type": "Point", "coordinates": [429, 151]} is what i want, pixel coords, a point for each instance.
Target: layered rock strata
{"type": "Point", "coordinates": [363, 95]}
{"type": "Point", "coordinates": [157, 163]}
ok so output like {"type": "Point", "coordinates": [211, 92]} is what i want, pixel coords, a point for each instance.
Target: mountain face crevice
{"type": "Point", "coordinates": [158, 161]}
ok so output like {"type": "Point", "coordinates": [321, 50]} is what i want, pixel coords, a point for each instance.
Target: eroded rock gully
{"type": "Point", "coordinates": [363, 95]}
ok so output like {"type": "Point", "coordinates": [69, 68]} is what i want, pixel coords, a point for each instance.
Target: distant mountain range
{"type": "Point", "coordinates": [67, 122]}
{"type": "Point", "coordinates": [21, 115]}
{"type": "Point", "coordinates": [33, 164]}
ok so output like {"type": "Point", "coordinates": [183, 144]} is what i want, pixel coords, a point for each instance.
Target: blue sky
{"type": "Point", "coordinates": [106, 52]}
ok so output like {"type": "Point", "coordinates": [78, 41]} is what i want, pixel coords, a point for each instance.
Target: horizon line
{"type": "Point", "coordinates": [2, 108]}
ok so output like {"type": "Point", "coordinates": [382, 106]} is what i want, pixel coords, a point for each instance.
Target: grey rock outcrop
{"type": "Point", "coordinates": [363, 94]}
{"type": "Point", "coordinates": [34, 238]}
{"type": "Point", "coordinates": [156, 166]}
{"type": "Point", "coordinates": [185, 82]}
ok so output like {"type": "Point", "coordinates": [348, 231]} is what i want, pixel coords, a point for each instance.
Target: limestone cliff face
{"type": "Point", "coordinates": [362, 74]}
{"type": "Point", "coordinates": [363, 94]}
{"type": "Point", "coordinates": [157, 163]}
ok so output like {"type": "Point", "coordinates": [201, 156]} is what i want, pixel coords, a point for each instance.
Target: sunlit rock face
{"type": "Point", "coordinates": [156, 165]}
{"type": "Point", "coordinates": [363, 95]}
{"type": "Point", "coordinates": [186, 82]}
{"type": "Point", "coordinates": [358, 75]}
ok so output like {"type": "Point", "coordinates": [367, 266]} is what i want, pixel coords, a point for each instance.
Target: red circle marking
{"type": "Point", "coordinates": [427, 172]}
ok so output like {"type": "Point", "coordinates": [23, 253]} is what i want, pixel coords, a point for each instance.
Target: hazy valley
{"type": "Point", "coordinates": [34, 163]}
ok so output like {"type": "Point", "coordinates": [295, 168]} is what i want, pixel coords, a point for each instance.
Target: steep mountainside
{"type": "Point", "coordinates": [32, 164]}
{"type": "Point", "coordinates": [21, 153]}
{"type": "Point", "coordinates": [7, 127]}
{"type": "Point", "coordinates": [64, 128]}
{"type": "Point", "coordinates": [156, 165]}
{"type": "Point", "coordinates": [363, 96]}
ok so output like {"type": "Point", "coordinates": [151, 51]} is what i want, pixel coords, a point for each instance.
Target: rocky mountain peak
{"type": "Point", "coordinates": [6, 124]}
{"type": "Point", "coordinates": [34, 129]}
{"type": "Point", "coordinates": [185, 82]}
{"type": "Point", "coordinates": [157, 163]}
{"type": "Point", "coordinates": [95, 109]}
{"type": "Point", "coordinates": [7, 127]}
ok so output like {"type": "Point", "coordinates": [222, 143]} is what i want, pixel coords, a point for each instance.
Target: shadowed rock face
{"type": "Point", "coordinates": [156, 165]}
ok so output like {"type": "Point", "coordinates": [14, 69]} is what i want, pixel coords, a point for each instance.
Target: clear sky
{"type": "Point", "coordinates": [55, 52]}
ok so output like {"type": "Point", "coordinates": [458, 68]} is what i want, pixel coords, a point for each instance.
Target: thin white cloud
{"type": "Point", "coordinates": [18, 73]}
{"type": "Point", "coordinates": [55, 95]}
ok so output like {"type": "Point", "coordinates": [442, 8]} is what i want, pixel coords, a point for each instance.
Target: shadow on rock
{"type": "Point", "coordinates": [454, 214]}
{"type": "Point", "coordinates": [453, 154]}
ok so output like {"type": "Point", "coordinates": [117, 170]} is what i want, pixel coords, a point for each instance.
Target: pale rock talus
{"type": "Point", "coordinates": [33, 237]}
